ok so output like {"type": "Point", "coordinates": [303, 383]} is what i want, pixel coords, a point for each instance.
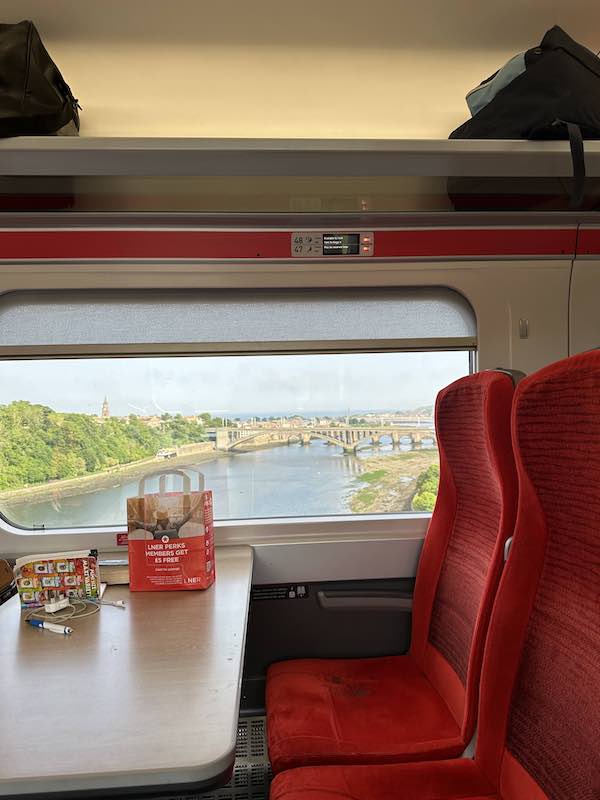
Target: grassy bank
{"type": "Point", "coordinates": [391, 481]}
{"type": "Point", "coordinates": [107, 478]}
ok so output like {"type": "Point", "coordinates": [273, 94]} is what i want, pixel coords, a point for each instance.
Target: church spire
{"type": "Point", "coordinates": [105, 408]}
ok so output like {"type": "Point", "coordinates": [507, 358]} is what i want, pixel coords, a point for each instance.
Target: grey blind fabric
{"type": "Point", "coordinates": [210, 320]}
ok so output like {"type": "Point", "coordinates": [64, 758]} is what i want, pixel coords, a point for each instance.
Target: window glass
{"type": "Point", "coordinates": [292, 435]}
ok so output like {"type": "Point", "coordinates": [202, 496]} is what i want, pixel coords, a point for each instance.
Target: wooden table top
{"type": "Point", "coordinates": [146, 696]}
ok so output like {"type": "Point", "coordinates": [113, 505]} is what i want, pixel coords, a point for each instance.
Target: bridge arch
{"type": "Point", "coordinates": [247, 437]}
{"type": "Point", "coordinates": [325, 437]}
{"type": "Point", "coordinates": [348, 438]}
{"type": "Point", "coordinates": [375, 439]}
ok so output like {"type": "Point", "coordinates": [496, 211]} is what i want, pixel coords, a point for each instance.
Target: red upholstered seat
{"type": "Point", "coordinates": [539, 720]}
{"type": "Point", "coordinates": [399, 697]}
{"type": "Point", "coordinates": [435, 780]}
{"type": "Point", "coordinates": [421, 705]}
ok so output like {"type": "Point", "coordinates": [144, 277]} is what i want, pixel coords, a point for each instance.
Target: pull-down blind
{"type": "Point", "coordinates": [211, 321]}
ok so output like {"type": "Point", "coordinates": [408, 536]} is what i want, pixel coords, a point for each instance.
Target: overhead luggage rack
{"type": "Point", "coordinates": [97, 156]}
{"type": "Point", "coordinates": [226, 177]}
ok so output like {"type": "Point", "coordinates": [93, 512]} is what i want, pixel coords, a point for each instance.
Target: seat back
{"type": "Point", "coordinates": [539, 724]}
{"type": "Point", "coordinates": [462, 556]}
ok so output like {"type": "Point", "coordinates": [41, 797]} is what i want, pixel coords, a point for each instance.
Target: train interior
{"type": "Point", "coordinates": [268, 334]}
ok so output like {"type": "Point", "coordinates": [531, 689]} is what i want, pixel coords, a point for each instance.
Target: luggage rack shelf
{"type": "Point", "coordinates": [124, 156]}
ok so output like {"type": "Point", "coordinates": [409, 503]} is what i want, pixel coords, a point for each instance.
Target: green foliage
{"type": "Point", "coordinates": [182, 431]}
{"type": "Point", "coordinates": [425, 501]}
{"type": "Point", "coordinates": [431, 475]}
{"type": "Point", "coordinates": [427, 489]}
{"type": "Point", "coordinates": [38, 444]}
{"type": "Point", "coordinates": [210, 422]}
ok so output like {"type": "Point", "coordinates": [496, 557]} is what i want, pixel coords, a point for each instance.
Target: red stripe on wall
{"type": "Point", "coordinates": [56, 245]}
{"type": "Point", "coordinates": [142, 244]}
{"type": "Point", "coordinates": [476, 242]}
{"type": "Point", "coordinates": [589, 242]}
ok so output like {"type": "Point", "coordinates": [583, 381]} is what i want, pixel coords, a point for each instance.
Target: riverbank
{"type": "Point", "coordinates": [70, 487]}
{"type": "Point", "coordinates": [378, 483]}
{"type": "Point", "coordinates": [388, 483]}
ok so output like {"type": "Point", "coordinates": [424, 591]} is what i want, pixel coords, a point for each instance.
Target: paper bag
{"type": "Point", "coordinates": [170, 537]}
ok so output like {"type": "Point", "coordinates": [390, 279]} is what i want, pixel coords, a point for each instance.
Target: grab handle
{"type": "Point", "coordinates": [364, 601]}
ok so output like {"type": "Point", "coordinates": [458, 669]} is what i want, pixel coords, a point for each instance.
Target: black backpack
{"type": "Point", "coordinates": [34, 98]}
{"type": "Point", "coordinates": [554, 95]}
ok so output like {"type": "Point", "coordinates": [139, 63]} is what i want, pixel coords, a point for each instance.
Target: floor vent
{"type": "Point", "coordinates": [252, 772]}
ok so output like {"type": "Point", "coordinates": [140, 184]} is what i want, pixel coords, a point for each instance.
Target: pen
{"type": "Point", "coordinates": [50, 626]}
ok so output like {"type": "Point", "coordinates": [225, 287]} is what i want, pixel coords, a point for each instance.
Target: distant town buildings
{"type": "Point", "coordinates": [152, 421]}
{"type": "Point", "coordinates": [422, 416]}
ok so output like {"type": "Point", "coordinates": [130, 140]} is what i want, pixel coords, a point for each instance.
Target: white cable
{"type": "Point", "coordinates": [77, 609]}
{"type": "Point", "coordinates": [115, 603]}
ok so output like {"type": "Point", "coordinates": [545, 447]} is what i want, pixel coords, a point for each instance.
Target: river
{"type": "Point", "coordinates": [316, 479]}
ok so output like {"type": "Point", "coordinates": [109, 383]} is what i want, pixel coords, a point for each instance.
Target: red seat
{"type": "Point", "coordinates": [539, 720]}
{"type": "Point", "coordinates": [421, 705]}
{"type": "Point", "coordinates": [431, 780]}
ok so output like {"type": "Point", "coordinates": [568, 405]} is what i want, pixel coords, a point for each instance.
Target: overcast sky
{"type": "Point", "coordinates": [234, 385]}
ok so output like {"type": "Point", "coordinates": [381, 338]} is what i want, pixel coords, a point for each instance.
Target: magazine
{"type": "Point", "coordinates": [45, 577]}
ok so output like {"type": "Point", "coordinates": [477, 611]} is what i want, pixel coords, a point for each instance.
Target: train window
{"type": "Point", "coordinates": [323, 407]}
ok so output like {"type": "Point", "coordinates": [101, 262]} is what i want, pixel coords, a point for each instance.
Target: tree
{"type": "Point", "coordinates": [67, 465]}
{"type": "Point", "coordinates": [39, 444]}
{"type": "Point", "coordinates": [183, 431]}
{"type": "Point", "coordinates": [424, 501]}
{"type": "Point", "coordinates": [427, 488]}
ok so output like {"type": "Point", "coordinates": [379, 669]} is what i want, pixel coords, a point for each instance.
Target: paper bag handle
{"type": "Point", "coordinates": [162, 475]}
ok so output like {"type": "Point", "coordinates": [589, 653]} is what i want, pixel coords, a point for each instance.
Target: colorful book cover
{"type": "Point", "coordinates": [42, 578]}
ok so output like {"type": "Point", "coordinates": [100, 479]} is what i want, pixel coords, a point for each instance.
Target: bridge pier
{"type": "Point", "coordinates": [222, 439]}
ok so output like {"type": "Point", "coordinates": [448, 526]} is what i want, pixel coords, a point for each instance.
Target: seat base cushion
{"type": "Point", "coordinates": [459, 779]}
{"type": "Point", "coordinates": [356, 711]}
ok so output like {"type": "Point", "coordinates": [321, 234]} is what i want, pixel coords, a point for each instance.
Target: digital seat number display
{"type": "Point", "coordinates": [341, 244]}
{"type": "Point", "coordinates": [316, 244]}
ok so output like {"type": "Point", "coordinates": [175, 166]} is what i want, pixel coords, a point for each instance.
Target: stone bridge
{"type": "Point", "coordinates": [350, 438]}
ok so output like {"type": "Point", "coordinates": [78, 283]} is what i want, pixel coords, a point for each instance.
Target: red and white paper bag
{"type": "Point", "coordinates": [170, 537]}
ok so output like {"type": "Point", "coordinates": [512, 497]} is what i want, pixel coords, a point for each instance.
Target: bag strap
{"type": "Point", "coordinates": [163, 473]}
{"type": "Point", "coordinates": [162, 483]}
{"type": "Point", "coordinates": [578, 157]}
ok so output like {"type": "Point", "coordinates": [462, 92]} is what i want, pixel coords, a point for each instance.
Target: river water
{"type": "Point", "coordinates": [316, 479]}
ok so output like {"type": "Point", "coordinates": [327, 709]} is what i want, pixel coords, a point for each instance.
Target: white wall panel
{"type": "Point", "coordinates": [336, 560]}
{"type": "Point", "coordinates": [500, 292]}
{"type": "Point", "coordinates": [585, 306]}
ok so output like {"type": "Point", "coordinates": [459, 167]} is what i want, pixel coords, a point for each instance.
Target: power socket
{"type": "Point", "coordinates": [56, 605]}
